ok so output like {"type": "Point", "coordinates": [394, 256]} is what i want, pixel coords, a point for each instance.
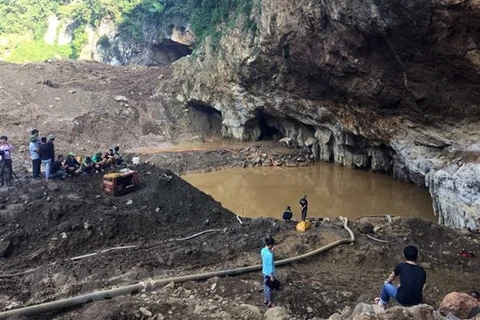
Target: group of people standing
{"type": "Point", "coordinates": [42, 151]}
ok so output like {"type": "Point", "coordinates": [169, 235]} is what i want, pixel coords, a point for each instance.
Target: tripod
{"type": "Point", "coordinates": [3, 163]}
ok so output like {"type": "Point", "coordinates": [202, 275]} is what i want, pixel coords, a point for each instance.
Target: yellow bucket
{"type": "Point", "coordinates": [112, 175]}
{"type": "Point", "coordinates": [304, 225]}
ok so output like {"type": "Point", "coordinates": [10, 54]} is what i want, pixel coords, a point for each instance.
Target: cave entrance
{"type": "Point", "coordinates": [168, 51]}
{"type": "Point", "coordinates": [263, 127]}
{"type": "Point", "coordinates": [267, 130]}
{"type": "Point", "coordinates": [204, 119]}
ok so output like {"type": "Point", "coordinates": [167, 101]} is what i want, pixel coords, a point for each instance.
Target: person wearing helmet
{"type": "Point", "coordinates": [72, 165]}
{"type": "Point", "coordinates": [87, 165]}
{"type": "Point", "coordinates": [98, 162]}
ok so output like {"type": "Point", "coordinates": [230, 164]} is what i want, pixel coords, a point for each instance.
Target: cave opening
{"type": "Point", "coordinates": [204, 118]}
{"type": "Point", "coordinates": [263, 127]}
{"type": "Point", "coordinates": [268, 131]}
{"type": "Point", "coordinates": [168, 51]}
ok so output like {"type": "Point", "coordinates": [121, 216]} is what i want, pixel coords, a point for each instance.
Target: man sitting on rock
{"type": "Point", "coordinates": [412, 280]}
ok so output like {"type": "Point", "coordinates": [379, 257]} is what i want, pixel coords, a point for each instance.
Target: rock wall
{"type": "Point", "coordinates": [163, 41]}
{"type": "Point", "coordinates": [386, 85]}
{"type": "Point", "coordinates": [162, 44]}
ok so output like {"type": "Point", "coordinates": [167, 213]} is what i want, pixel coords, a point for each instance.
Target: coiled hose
{"type": "Point", "coordinates": [152, 285]}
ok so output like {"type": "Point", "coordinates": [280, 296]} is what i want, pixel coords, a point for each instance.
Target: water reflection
{"type": "Point", "coordinates": [332, 191]}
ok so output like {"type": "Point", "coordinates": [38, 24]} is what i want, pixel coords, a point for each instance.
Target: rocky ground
{"type": "Point", "coordinates": [90, 107]}
{"type": "Point", "coordinates": [262, 155]}
{"type": "Point", "coordinates": [44, 225]}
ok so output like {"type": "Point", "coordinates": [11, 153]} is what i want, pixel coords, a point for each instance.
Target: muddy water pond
{"type": "Point", "coordinates": [331, 190]}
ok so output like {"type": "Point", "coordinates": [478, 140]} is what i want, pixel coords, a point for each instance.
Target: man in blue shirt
{"type": "Point", "coordinates": [36, 162]}
{"type": "Point", "coordinates": [268, 270]}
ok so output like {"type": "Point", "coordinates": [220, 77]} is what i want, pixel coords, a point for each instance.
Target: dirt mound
{"type": "Point", "coordinates": [44, 225]}
{"type": "Point", "coordinates": [75, 216]}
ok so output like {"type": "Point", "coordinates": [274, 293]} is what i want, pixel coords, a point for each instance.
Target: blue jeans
{"type": "Point", "coordinates": [267, 291]}
{"type": "Point", "coordinates": [388, 291]}
{"type": "Point", "coordinates": [47, 164]}
{"type": "Point", "coordinates": [58, 174]}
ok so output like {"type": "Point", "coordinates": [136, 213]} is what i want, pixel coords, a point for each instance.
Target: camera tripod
{"type": "Point", "coordinates": [4, 163]}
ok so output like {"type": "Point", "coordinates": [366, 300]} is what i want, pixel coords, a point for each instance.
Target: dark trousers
{"type": "Point", "coordinates": [36, 164]}
{"type": "Point", "coordinates": [6, 171]}
{"type": "Point", "coordinates": [304, 214]}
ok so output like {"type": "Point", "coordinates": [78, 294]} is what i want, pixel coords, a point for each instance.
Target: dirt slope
{"type": "Point", "coordinates": [48, 224]}
{"type": "Point", "coordinates": [91, 106]}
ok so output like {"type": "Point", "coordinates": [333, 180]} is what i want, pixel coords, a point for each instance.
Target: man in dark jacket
{"type": "Point", "coordinates": [57, 169]}
{"type": "Point", "coordinates": [304, 207]}
{"type": "Point", "coordinates": [287, 214]}
{"type": "Point", "coordinates": [51, 139]}
{"type": "Point", "coordinates": [72, 166]}
{"type": "Point", "coordinates": [46, 153]}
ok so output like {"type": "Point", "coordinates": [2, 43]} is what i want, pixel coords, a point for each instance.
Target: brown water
{"type": "Point", "coordinates": [332, 191]}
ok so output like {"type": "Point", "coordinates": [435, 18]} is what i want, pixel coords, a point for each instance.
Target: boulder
{"type": "Point", "coordinates": [364, 226]}
{"type": "Point", "coordinates": [120, 98]}
{"type": "Point", "coordinates": [145, 312]}
{"type": "Point", "coordinates": [365, 311]}
{"type": "Point", "coordinates": [459, 304]}
{"type": "Point", "coordinates": [251, 310]}
{"type": "Point", "coordinates": [5, 248]}
{"type": "Point", "coordinates": [286, 140]}
{"type": "Point", "coordinates": [277, 313]}
{"type": "Point", "coordinates": [310, 141]}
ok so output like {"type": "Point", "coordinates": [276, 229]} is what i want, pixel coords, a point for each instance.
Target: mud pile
{"type": "Point", "coordinates": [44, 225]}
{"type": "Point", "coordinates": [90, 219]}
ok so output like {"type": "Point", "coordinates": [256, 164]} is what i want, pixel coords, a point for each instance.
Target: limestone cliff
{"type": "Point", "coordinates": [159, 42]}
{"type": "Point", "coordinates": [386, 85]}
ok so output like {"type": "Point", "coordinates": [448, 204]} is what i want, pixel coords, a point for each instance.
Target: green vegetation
{"type": "Point", "coordinates": [21, 16]}
{"type": "Point", "coordinates": [211, 17]}
{"type": "Point", "coordinates": [38, 51]}
{"type": "Point", "coordinates": [27, 19]}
